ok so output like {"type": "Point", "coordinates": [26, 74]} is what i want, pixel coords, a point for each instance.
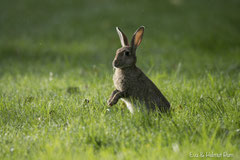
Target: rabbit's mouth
{"type": "Point", "coordinates": [116, 64]}
{"type": "Point", "coordinates": [121, 65]}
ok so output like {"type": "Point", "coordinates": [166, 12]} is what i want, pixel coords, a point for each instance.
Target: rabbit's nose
{"type": "Point", "coordinates": [115, 63]}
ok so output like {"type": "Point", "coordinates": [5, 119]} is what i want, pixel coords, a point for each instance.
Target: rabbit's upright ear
{"type": "Point", "coordinates": [123, 37]}
{"type": "Point", "coordinates": [137, 37]}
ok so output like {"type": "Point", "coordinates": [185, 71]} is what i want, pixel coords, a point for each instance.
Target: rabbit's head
{"type": "Point", "coordinates": [126, 55]}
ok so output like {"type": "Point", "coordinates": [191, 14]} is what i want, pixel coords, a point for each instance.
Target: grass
{"type": "Point", "coordinates": [56, 76]}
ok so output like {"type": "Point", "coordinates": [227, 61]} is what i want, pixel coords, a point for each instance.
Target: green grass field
{"type": "Point", "coordinates": [56, 76]}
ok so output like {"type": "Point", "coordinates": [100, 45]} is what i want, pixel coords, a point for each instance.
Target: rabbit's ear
{"type": "Point", "coordinates": [123, 38]}
{"type": "Point", "coordinates": [137, 37]}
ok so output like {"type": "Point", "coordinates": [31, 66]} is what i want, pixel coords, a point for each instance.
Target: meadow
{"type": "Point", "coordinates": [56, 77]}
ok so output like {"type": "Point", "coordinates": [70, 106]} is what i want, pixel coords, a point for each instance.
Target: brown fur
{"type": "Point", "coordinates": [132, 85]}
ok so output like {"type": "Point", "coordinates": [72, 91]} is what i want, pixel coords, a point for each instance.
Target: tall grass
{"type": "Point", "coordinates": [56, 76]}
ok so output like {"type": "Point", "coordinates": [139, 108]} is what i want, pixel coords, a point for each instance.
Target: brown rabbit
{"type": "Point", "coordinates": [132, 85]}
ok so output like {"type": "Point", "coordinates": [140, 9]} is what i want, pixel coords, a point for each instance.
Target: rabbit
{"type": "Point", "coordinates": [132, 85]}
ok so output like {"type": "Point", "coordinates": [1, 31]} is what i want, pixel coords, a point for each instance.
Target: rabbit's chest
{"type": "Point", "coordinates": [126, 80]}
{"type": "Point", "coordinates": [120, 82]}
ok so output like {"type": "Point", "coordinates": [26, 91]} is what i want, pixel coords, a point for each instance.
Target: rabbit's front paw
{"type": "Point", "coordinates": [108, 102]}
{"type": "Point", "coordinates": [111, 102]}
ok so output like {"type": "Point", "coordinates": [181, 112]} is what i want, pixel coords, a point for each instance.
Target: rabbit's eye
{"type": "Point", "coordinates": [127, 53]}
